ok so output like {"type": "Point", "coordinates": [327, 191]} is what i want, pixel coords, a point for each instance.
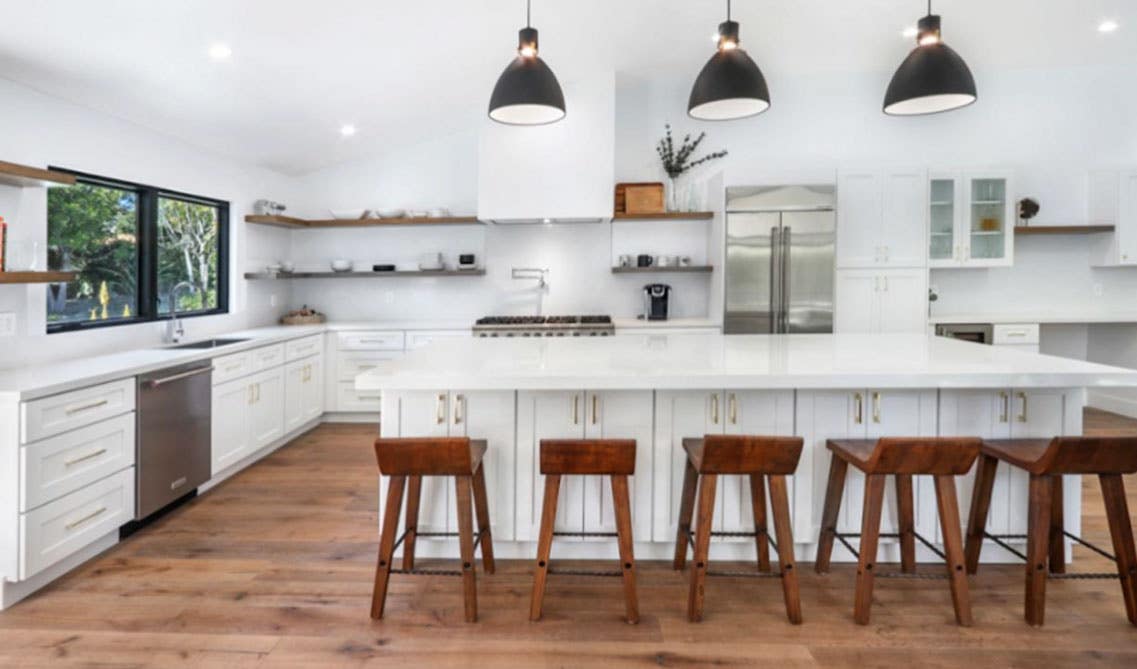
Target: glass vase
{"type": "Point", "coordinates": [676, 194]}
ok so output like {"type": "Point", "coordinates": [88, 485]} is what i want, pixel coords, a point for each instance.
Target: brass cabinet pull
{"type": "Point", "coordinates": [257, 393]}
{"type": "Point", "coordinates": [876, 407]}
{"type": "Point", "coordinates": [732, 399]}
{"type": "Point", "coordinates": [1006, 415]}
{"type": "Point", "coordinates": [458, 401]}
{"type": "Point", "coordinates": [87, 407]}
{"type": "Point", "coordinates": [858, 408]}
{"type": "Point", "coordinates": [575, 409]}
{"type": "Point", "coordinates": [440, 418]}
{"type": "Point", "coordinates": [1022, 416]}
{"type": "Point", "coordinates": [90, 516]}
{"type": "Point", "coordinates": [715, 408]}
{"type": "Point", "coordinates": [595, 409]}
{"type": "Point", "coordinates": [84, 458]}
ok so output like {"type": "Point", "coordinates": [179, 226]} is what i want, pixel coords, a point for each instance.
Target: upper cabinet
{"type": "Point", "coordinates": [1113, 201]}
{"type": "Point", "coordinates": [563, 171]}
{"type": "Point", "coordinates": [971, 220]}
{"type": "Point", "coordinates": [881, 218]}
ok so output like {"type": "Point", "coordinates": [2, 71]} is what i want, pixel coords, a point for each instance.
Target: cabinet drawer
{"type": "Point", "coordinates": [302, 348]}
{"type": "Point", "coordinates": [67, 411]}
{"type": "Point", "coordinates": [266, 357]}
{"type": "Point", "coordinates": [370, 341]}
{"type": "Point", "coordinates": [65, 463]}
{"type": "Point", "coordinates": [350, 399]}
{"type": "Point", "coordinates": [420, 339]}
{"type": "Point", "coordinates": [231, 367]}
{"type": "Point", "coordinates": [352, 365]}
{"type": "Point", "coordinates": [1017, 333]}
{"type": "Point", "coordinates": [58, 529]}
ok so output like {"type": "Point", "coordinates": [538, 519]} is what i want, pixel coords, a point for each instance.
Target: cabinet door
{"type": "Point", "coordinates": [423, 413]}
{"type": "Point", "coordinates": [824, 415]}
{"type": "Point", "coordinates": [267, 415]}
{"type": "Point", "coordinates": [856, 303]}
{"type": "Point", "coordinates": [989, 219]}
{"type": "Point", "coordinates": [231, 434]}
{"type": "Point", "coordinates": [617, 414]}
{"type": "Point", "coordinates": [859, 216]}
{"type": "Point", "coordinates": [902, 301]}
{"type": "Point", "coordinates": [489, 415]}
{"type": "Point", "coordinates": [547, 415]}
{"type": "Point", "coordinates": [1126, 230]}
{"type": "Point", "coordinates": [973, 413]}
{"type": "Point", "coordinates": [312, 393]}
{"type": "Point", "coordinates": [759, 413]}
{"type": "Point", "coordinates": [679, 414]}
{"type": "Point", "coordinates": [944, 246]}
{"type": "Point", "coordinates": [294, 376]}
{"type": "Point", "coordinates": [905, 219]}
{"type": "Point", "coordinates": [1035, 414]}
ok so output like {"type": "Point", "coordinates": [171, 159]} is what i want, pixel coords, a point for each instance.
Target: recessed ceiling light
{"type": "Point", "coordinates": [909, 32]}
{"type": "Point", "coordinates": [1107, 26]}
{"type": "Point", "coordinates": [347, 130]}
{"type": "Point", "coordinates": [220, 51]}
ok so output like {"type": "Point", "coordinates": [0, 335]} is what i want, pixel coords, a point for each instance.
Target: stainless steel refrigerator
{"type": "Point", "coordinates": [780, 245]}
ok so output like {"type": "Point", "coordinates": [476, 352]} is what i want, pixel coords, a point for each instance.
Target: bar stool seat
{"type": "Point", "coordinates": [943, 458]}
{"type": "Point", "coordinates": [405, 461]}
{"type": "Point", "coordinates": [762, 459]}
{"type": "Point", "coordinates": [615, 458]}
{"type": "Point", "coordinates": [1047, 461]}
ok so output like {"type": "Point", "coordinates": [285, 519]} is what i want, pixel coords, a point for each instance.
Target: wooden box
{"type": "Point", "coordinates": [639, 198]}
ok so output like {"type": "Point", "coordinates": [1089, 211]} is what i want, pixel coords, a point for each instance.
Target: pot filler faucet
{"type": "Point", "coordinates": [538, 274]}
{"type": "Point", "coordinates": [174, 328]}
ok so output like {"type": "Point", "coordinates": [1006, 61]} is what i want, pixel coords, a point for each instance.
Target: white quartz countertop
{"type": "Point", "coordinates": [699, 361]}
{"type": "Point", "coordinates": [676, 323]}
{"type": "Point", "coordinates": [1063, 317]}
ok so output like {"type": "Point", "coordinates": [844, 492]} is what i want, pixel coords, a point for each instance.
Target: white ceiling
{"type": "Point", "coordinates": [406, 71]}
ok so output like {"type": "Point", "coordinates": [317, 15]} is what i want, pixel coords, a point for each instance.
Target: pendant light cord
{"type": "Point", "coordinates": [728, 9]}
{"type": "Point", "coordinates": [529, 8]}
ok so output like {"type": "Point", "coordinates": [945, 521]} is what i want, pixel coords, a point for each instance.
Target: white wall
{"type": "Point", "coordinates": [40, 130]}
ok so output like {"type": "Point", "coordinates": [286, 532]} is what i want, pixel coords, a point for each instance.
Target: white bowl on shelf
{"type": "Point", "coordinates": [389, 213]}
{"type": "Point", "coordinates": [438, 212]}
{"type": "Point", "coordinates": [348, 214]}
{"type": "Point", "coordinates": [342, 265]}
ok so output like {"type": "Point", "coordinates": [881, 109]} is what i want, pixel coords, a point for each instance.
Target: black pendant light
{"type": "Point", "coordinates": [527, 92]}
{"type": "Point", "coordinates": [933, 78]}
{"type": "Point", "coordinates": [730, 85]}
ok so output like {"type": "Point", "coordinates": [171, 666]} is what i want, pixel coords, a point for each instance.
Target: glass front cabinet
{"type": "Point", "coordinates": [972, 220]}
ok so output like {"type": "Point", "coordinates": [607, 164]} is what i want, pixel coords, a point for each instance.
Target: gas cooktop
{"type": "Point", "coordinates": [544, 326]}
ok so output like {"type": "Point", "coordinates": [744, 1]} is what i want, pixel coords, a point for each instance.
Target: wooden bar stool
{"type": "Point", "coordinates": [759, 458]}
{"type": "Point", "coordinates": [408, 460]}
{"type": "Point", "coordinates": [1047, 461]}
{"type": "Point", "coordinates": [943, 458]}
{"type": "Point", "coordinates": [615, 458]}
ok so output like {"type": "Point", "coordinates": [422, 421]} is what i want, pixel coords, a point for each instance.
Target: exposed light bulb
{"type": "Point", "coordinates": [528, 51]}
{"type": "Point", "coordinates": [909, 32]}
{"type": "Point", "coordinates": [728, 45]}
{"type": "Point", "coordinates": [220, 51]}
{"type": "Point", "coordinates": [347, 130]}
{"type": "Point", "coordinates": [930, 38]}
{"type": "Point", "coordinates": [1108, 26]}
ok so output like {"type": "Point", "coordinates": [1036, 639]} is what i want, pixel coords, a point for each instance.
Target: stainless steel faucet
{"type": "Point", "coordinates": [174, 328]}
{"type": "Point", "coordinates": [541, 275]}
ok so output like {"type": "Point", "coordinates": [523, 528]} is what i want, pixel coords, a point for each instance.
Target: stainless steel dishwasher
{"type": "Point", "coordinates": [174, 451]}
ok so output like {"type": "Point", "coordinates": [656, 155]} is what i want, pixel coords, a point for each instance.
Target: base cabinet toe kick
{"type": "Point", "coordinates": [514, 423]}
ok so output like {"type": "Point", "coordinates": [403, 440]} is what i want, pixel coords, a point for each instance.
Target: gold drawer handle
{"type": "Point", "coordinates": [83, 458]}
{"type": "Point", "coordinates": [859, 408]}
{"type": "Point", "coordinates": [90, 516]}
{"type": "Point", "coordinates": [87, 407]}
{"type": "Point", "coordinates": [1005, 416]}
{"type": "Point", "coordinates": [876, 407]}
{"type": "Point", "coordinates": [1022, 416]}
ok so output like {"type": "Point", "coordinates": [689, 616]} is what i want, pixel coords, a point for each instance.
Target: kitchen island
{"type": "Point", "coordinates": [658, 389]}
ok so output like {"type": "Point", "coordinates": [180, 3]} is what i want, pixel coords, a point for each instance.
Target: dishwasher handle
{"type": "Point", "coordinates": [156, 383]}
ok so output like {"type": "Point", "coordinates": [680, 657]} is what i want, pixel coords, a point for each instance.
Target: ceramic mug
{"type": "Point", "coordinates": [626, 260]}
{"type": "Point", "coordinates": [644, 260]}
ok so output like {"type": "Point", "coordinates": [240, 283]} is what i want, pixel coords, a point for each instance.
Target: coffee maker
{"type": "Point", "coordinates": [655, 301]}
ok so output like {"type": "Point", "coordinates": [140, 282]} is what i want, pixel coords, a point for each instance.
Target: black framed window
{"type": "Point", "coordinates": [130, 246]}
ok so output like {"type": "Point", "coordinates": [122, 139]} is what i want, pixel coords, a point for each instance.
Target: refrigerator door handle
{"type": "Point", "coordinates": [775, 280]}
{"type": "Point", "coordinates": [784, 309]}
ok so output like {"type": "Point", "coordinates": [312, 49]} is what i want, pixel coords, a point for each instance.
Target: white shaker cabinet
{"type": "Point", "coordinates": [881, 218]}
{"type": "Point", "coordinates": [1113, 201]}
{"type": "Point", "coordinates": [303, 392]}
{"type": "Point", "coordinates": [971, 219]}
{"type": "Point", "coordinates": [266, 412]}
{"type": "Point", "coordinates": [886, 301]}
{"type": "Point", "coordinates": [248, 414]}
{"type": "Point", "coordinates": [616, 414]}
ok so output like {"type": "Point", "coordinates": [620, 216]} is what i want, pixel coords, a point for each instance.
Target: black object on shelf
{"type": "Point", "coordinates": [382, 268]}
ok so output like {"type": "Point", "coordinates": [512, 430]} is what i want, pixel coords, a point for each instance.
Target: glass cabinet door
{"type": "Point", "coordinates": [987, 227]}
{"type": "Point", "coordinates": [942, 237]}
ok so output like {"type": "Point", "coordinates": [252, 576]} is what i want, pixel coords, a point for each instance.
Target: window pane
{"type": "Point", "coordinates": [187, 251]}
{"type": "Point", "coordinates": [93, 230]}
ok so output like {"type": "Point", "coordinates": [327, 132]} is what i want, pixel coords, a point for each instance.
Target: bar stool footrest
{"type": "Point", "coordinates": [732, 573]}
{"type": "Point", "coordinates": [427, 572]}
{"type": "Point", "coordinates": [998, 539]}
{"type": "Point", "coordinates": [586, 535]}
{"type": "Point", "coordinates": [584, 572]}
{"type": "Point", "coordinates": [843, 537]}
{"type": "Point", "coordinates": [748, 535]}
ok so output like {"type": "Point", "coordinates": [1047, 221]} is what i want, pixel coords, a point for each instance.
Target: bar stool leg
{"type": "Point", "coordinates": [686, 510]}
{"type": "Point", "coordinates": [1038, 530]}
{"type": "Point", "coordinates": [870, 535]}
{"type": "Point", "coordinates": [702, 547]}
{"type": "Point", "coordinates": [906, 512]}
{"type": "Point", "coordinates": [758, 503]}
{"type": "Point", "coordinates": [482, 510]}
{"type": "Point", "coordinates": [387, 544]}
{"type": "Point", "coordinates": [833, 492]}
{"type": "Point", "coordinates": [953, 548]}
{"type": "Point", "coordinates": [977, 516]}
{"type": "Point", "coordinates": [414, 494]}
{"type": "Point", "coordinates": [1057, 525]}
{"type": "Point", "coordinates": [1121, 530]}
{"type": "Point", "coordinates": [779, 501]}
{"type": "Point", "coordinates": [621, 505]}
{"type": "Point", "coordinates": [544, 544]}
{"type": "Point", "coordinates": [466, 543]}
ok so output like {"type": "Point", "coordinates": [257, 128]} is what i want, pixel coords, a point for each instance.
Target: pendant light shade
{"type": "Point", "coordinates": [933, 78]}
{"type": "Point", "coordinates": [527, 92]}
{"type": "Point", "coordinates": [730, 85]}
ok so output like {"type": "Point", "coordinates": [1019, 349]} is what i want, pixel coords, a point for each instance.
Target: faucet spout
{"type": "Point", "coordinates": [174, 328]}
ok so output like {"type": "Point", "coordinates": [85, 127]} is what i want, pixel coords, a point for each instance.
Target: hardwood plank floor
{"type": "Point", "coordinates": [274, 568]}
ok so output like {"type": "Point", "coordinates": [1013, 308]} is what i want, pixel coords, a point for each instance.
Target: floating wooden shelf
{"type": "Point", "coordinates": [1062, 229]}
{"type": "Point", "coordinates": [290, 222]}
{"type": "Point", "coordinates": [36, 277]}
{"type": "Point", "coordinates": [24, 176]}
{"type": "Point", "coordinates": [364, 275]}
{"type": "Point", "coordinates": [657, 270]}
{"type": "Point", "coordinates": [666, 216]}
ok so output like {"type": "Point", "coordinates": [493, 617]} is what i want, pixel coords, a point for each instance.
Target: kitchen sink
{"type": "Point", "coordinates": [210, 343]}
